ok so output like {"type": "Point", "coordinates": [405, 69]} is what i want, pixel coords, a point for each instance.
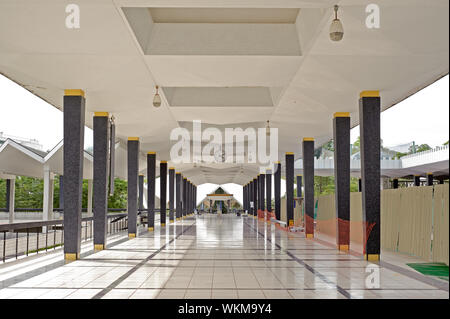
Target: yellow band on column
{"type": "Point", "coordinates": [151, 152]}
{"type": "Point", "coordinates": [341, 114]}
{"type": "Point", "coordinates": [74, 92]}
{"type": "Point", "coordinates": [372, 257]}
{"type": "Point", "coordinates": [99, 247]}
{"type": "Point", "coordinates": [131, 235]}
{"type": "Point", "coordinates": [102, 114]}
{"type": "Point", "coordinates": [344, 247]}
{"type": "Point", "coordinates": [309, 235]}
{"type": "Point", "coordinates": [133, 138]}
{"type": "Point", "coordinates": [308, 139]}
{"type": "Point", "coordinates": [374, 93]}
{"type": "Point", "coordinates": [150, 229]}
{"type": "Point", "coordinates": [71, 257]}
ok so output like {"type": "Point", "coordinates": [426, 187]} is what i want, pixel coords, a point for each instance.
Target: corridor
{"type": "Point", "coordinates": [211, 256]}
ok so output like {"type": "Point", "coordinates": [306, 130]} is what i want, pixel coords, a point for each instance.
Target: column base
{"type": "Point", "coordinates": [98, 247]}
{"type": "Point", "coordinates": [131, 235]}
{"type": "Point", "coordinates": [309, 235]}
{"type": "Point", "coordinates": [344, 247]}
{"type": "Point", "coordinates": [71, 256]}
{"type": "Point", "coordinates": [372, 257]}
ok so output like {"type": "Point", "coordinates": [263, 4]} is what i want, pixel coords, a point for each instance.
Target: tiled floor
{"type": "Point", "coordinates": [225, 257]}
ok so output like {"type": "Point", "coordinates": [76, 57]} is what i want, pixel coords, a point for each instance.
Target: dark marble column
{"type": "Point", "coordinates": [163, 192]}
{"type": "Point", "coordinates": [341, 138]}
{"type": "Point", "coordinates": [429, 179]}
{"type": "Point", "coordinates": [416, 180]}
{"type": "Point", "coordinates": [290, 189]}
{"type": "Point", "coordinates": [277, 189]}
{"type": "Point", "coordinates": [151, 178]}
{"type": "Point", "coordinates": [308, 176]}
{"type": "Point", "coordinates": [101, 170]}
{"type": "Point", "coordinates": [171, 193]}
{"type": "Point", "coordinates": [73, 158]}
{"type": "Point", "coordinates": [269, 191]}
{"type": "Point", "coordinates": [133, 171]}
{"type": "Point", "coordinates": [369, 120]}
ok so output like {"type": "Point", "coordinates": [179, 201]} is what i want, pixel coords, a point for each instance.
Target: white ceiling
{"type": "Point", "coordinates": [118, 58]}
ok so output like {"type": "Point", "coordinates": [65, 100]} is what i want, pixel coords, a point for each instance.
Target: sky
{"type": "Point", "coordinates": [423, 118]}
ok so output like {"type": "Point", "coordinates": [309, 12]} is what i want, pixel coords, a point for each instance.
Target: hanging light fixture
{"type": "Point", "coordinates": [157, 99]}
{"type": "Point", "coordinates": [336, 28]}
{"type": "Point", "coordinates": [268, 128]}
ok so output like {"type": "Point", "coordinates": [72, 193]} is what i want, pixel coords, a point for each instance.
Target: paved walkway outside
{"type": "Point", "coordinates": [212, 256]}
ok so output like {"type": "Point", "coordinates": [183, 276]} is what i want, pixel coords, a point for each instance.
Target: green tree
{"type": "Point", "coordinates": [422, 147]}
{"type": "Point", "coordinates": [120, 196]}
{"type": "Point", "coordinates": [356, 146]}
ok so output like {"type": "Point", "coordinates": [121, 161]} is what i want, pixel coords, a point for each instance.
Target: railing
{"type": "Point", "coordinates": [44, 235]}
{"type": "Point", "coordinates": [60, 210]}
{"type": "Point", "coordinates": [438, 154]}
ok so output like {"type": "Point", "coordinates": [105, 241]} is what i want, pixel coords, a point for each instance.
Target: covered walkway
{"type": "Point", "coordinates": [212, 256]}
{"type": "Point", "coordinates": [165, 85]}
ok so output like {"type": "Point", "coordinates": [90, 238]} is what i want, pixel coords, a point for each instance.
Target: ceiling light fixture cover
{"type": "Point", "coordinates": [157, 99]}
{"type": "Point", "coordinates": [336, 28]}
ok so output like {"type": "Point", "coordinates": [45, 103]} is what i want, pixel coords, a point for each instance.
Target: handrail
{"type": "Point", "coordinates": [26, 209]}
{"type": "Point", "coordinates": [433, 150]}
{"type": "Point", "coordinates": [34, 224]}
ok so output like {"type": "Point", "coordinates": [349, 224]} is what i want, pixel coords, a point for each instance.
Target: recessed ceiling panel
{"type": "Point", "coordinates": [218, 96]}
{"type": "Point", "coordinates": [224, 15]}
